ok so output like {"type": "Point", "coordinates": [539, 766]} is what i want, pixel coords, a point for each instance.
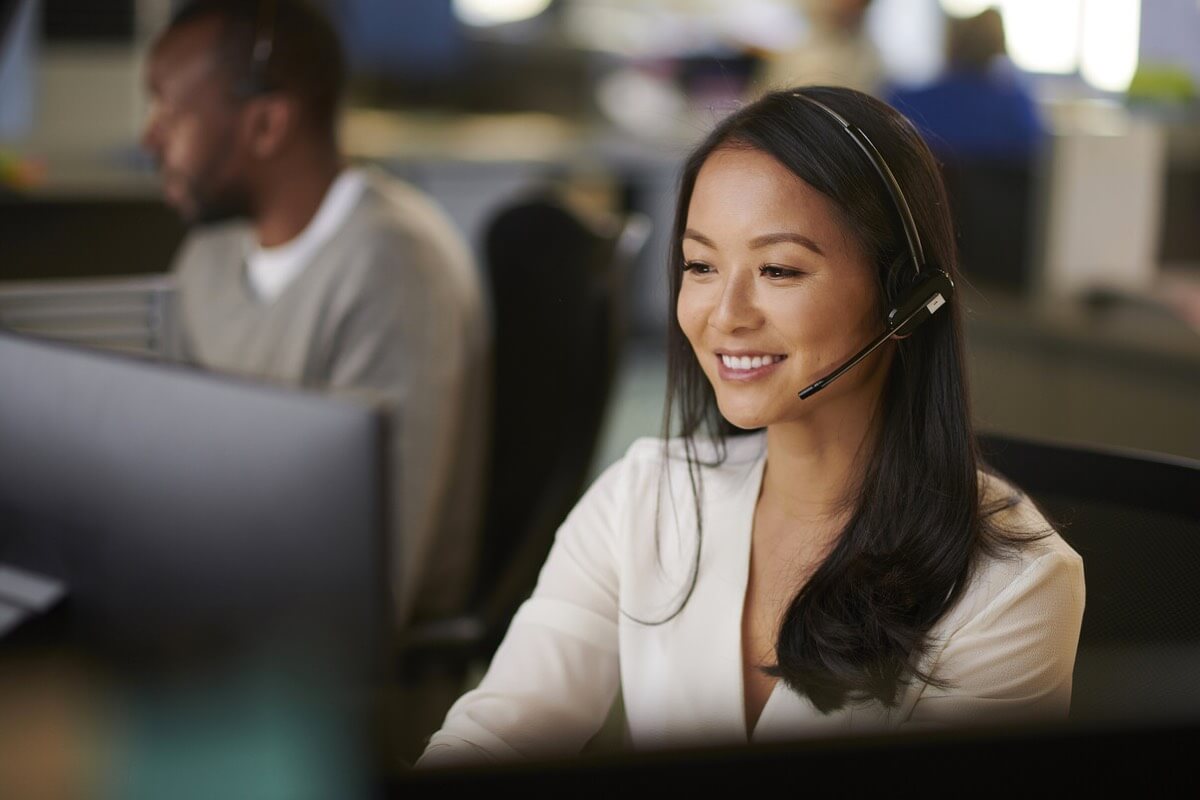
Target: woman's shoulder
{"type": "Point", "coordinates": [1008, 510]}
{"type": "Point", "coordinates": [1027, 561]}
{"type": "Point", "coordinates": [1014, 517]}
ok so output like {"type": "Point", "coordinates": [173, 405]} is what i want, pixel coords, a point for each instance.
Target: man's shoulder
{"type": "Point", "coordinates": [396, 218]}
{"type": "Point", "coordinates": [391, 188]}
{"type": "Point", "coordinates": [398, 232]}
{"type": "Point", "coordinates": [394, 205]}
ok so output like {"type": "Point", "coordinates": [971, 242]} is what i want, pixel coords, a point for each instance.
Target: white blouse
{"type": "Point", "coordinates": [1007, 647]}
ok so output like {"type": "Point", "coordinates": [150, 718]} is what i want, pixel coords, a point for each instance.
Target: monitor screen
{"type": "Point", "coordinates": [181, 508]}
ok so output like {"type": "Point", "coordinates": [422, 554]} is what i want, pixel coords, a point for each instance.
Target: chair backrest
{"type": "Point", "coordinates": [557, 289]}
{"type": "Point", "coordinates": [1134, 518]}
{"type": "Point", "coordinates": [994, 210]}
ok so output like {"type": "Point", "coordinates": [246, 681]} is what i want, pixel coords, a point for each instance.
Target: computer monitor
{"type": "Point", "coordinates": [180, 508]}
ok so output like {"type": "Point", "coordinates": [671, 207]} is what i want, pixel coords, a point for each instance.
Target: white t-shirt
{"type": "Point", "coordinates": [270, 270]}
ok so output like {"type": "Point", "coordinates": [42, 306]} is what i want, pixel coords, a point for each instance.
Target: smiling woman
{"type": "Point", "coordinates": [766, 306]}
{"type": "Point", "coordinates": [845, 562]}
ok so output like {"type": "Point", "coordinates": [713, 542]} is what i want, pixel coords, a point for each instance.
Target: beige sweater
{"type": "Point", "coordinates": [391, 307]}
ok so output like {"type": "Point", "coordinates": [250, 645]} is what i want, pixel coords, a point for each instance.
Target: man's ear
{"type": "Point", "coordinates": [273, 120]}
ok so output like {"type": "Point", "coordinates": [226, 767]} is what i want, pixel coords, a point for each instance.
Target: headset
{"type": "Point", "coordinates": [256, 82]}
{"type": "Point", "coordinates": [933, 287]}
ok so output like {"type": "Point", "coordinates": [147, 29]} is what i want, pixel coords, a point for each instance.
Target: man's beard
{"type": "Point", "coordinates": [220, 208]}
{"type": "Point", "coordinates": [205, 200]}
{"type": "Point", "coordinates": [210, 206]}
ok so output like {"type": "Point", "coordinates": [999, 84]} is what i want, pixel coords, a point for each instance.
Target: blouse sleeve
{"type": "Point", "coordinates": [1014, 659]}
{"type": "Point", "coordinates": [553, 679]}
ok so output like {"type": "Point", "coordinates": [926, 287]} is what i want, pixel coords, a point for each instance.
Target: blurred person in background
{"type": "Point", "coordinates": [978, 108]}
{"type": "Point", "coordinates": [836, 51]}
{"type": "Point", "coordinates": [303, 270]}
{"type": "Point", "coordinates": [982, 122]}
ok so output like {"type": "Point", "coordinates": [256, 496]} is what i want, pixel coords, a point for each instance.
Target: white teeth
{"type": "Point", "coordinates": [748, 362]}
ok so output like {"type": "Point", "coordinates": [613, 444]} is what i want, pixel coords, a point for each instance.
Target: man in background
{"type": "Point", "coordinates": [982, 121]}
{"type": "Point", "coordinates": [302, 270]}
{"type": "Point", "coordinates": [980, 106]}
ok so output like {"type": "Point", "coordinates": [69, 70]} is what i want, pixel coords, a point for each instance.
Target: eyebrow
{"type": "Point", "coordinates": [785, 236]}
{"type": "Point", "coordinates": [765, 240]}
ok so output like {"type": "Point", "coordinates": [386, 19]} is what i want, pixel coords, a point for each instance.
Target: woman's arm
{"type": "Point", "coordinates": [552, 682]}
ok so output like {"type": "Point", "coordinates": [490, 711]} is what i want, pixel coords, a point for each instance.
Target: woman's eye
{"type": "Point", "coordinates": [773, 271]}
{"type": "Point", "coordinates": [697, 267]}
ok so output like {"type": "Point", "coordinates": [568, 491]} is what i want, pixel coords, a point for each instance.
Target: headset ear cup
{"type": "Point", "coordinates": [933, 290]}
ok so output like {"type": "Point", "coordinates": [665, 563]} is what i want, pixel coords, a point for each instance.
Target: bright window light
{"type": "Point", "coordinates": [1099, 38]}
{"type": "Point", "coordinates": [902, 30]}
{"type": "Point", "coordinates": [483, 13]}
{"type": "Point", "coordinates": [1109, 53]}
{"type": "Point", "coordinates": [1043, 35]}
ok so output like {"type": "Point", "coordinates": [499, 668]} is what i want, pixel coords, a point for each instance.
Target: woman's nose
{"type": "Point", "coordinates": [737, 307]}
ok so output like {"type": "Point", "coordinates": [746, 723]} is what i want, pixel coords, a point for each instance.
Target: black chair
{"type": "Point", "coordinates": [1135, 520]}
{"type": "Point", "coordinates": [558, 286]}
{"type": "Point", "coordinates": [994, 205]}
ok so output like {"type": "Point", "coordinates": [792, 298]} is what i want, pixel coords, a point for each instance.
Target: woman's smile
{"type": "Point", "coordinates": [744, 366]}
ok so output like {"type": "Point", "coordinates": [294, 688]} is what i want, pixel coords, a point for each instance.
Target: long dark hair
{"type": "Point", "coordinates": [857, 628]}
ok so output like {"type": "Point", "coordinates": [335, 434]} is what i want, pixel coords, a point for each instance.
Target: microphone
{"type": "Point", "coordinates": [929, 295]}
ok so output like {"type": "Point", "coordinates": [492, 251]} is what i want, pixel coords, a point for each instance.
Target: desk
{"type": "Point", "coordinates": [1124, 376]}
{"type": "Point", "coordinates": [1013, 759]}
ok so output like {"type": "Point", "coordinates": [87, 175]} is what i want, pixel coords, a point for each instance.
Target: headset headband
{"type": "Point", "coordinates": [933, 287]}
{"type": "Point", "coordinates": [264, 46]}
{"type": "Point", "coordinates": [885, 174]}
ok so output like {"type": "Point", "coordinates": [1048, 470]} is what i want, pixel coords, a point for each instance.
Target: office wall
{"type": "Point", "coordinates": [1170, 34]}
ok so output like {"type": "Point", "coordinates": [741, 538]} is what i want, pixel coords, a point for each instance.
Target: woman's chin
{"type": "Point", "coordinates": [744, 419]}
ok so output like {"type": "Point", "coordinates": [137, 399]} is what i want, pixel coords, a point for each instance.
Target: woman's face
{"type": "Point", "coordinates": [776, 291]}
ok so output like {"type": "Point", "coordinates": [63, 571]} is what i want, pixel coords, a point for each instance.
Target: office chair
{"type": "Point", "coordinates": [1135, 520]}
{"type": "Point", "coordinates": [557, 284]}
{"type": "Point", "coordinates": [993, 205]}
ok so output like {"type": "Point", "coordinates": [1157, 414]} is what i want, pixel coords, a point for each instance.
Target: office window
{"type": "Point", "coordinates": [1098, 39]}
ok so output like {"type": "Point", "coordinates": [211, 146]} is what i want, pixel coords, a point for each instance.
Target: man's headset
{"type": "Point", "coordinates": [933, 287]}
{"type": "Point", "coordinates": [256, 82]}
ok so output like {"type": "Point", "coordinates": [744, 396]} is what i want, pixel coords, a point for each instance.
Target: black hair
{"type": "Point", "coordinates": [283, 46]}
{"type": "Point", "coordinates": [857, 627]}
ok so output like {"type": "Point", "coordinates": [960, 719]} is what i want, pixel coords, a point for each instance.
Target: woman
{"type": "Point", "coordinates": [845, 567]}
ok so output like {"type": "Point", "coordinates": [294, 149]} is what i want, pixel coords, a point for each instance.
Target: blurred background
{"type": "Point", "coordinates": [1079, 224]}
{"type": "Point", "coordinates": [1068, 131]}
